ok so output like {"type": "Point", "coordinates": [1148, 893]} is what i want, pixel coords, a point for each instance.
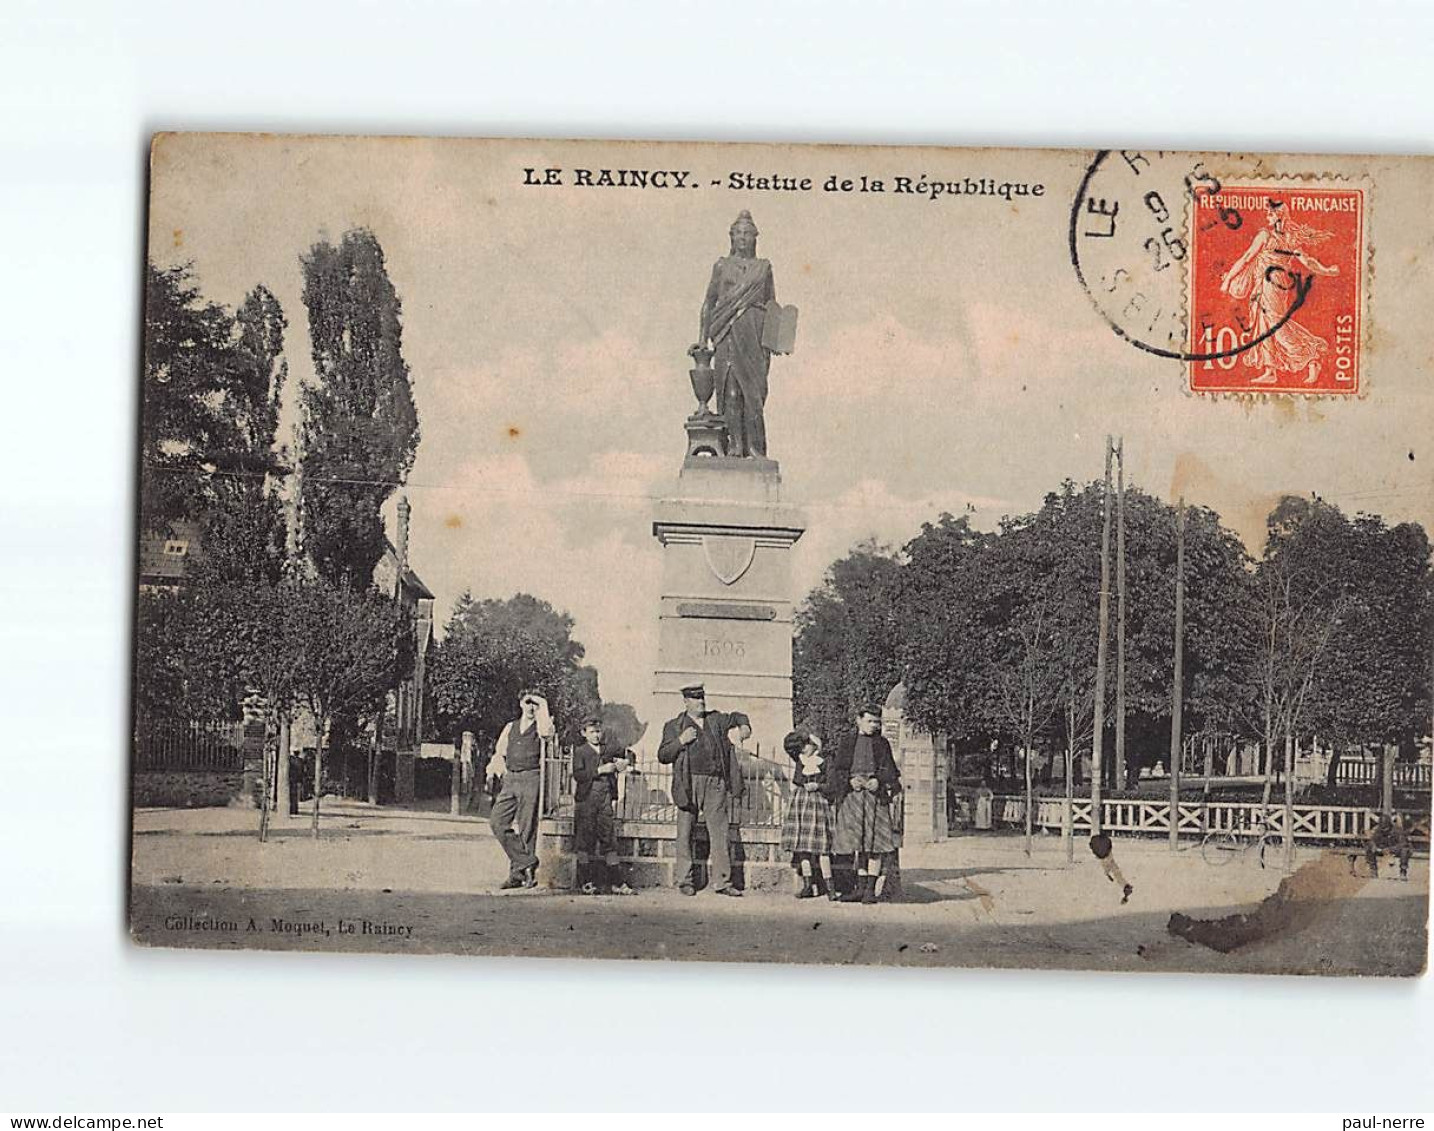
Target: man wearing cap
{"type": "Point", "coordinates": [706, 780]}
{"type": "Point", "coordinates": [517, 760]}
{"type": "Point", "coordinates": [595, 770]}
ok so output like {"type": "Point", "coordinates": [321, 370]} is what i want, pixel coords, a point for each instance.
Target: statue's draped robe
{"type": "Point", "coordinates": [1281, 343]}
{"type": "Point", "coordinates": [732, 318]}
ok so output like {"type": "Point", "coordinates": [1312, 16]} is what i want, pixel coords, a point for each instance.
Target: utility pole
{"type": "Point", "coordinates": [1289, 803]}
{"type": "Point", "coordinates": [1177, 689]}
{"type": "Point", "coordinates": [1098, 723]}
{"type": "Point", "coordinates": [376, 751]}
{"type": "Point", "coordinates": [1387, 756]}
{"type": "Point", "coordinates": [293, 550]}
{"type": "Point", "coordinates": [1119, 770]}
{"type": "Point", "coordinates": [1068, 818]}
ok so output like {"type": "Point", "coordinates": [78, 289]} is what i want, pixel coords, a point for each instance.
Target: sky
{"type": "Point", "coordinates": [947, 357]}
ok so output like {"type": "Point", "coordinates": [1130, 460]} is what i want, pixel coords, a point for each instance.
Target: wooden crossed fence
{"type": "Point", "coordinates": [1312, 823]}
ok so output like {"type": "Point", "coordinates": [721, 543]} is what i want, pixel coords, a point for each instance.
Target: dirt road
{"type": "Point", "coordinates": [425, 883]}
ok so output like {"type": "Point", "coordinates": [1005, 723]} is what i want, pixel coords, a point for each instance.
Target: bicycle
{"type": "Point", "coordinates": [1222, 846]}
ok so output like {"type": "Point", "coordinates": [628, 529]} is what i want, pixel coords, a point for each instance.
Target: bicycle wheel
{"type": "Point", "coordinates": [1218, 849]}
{"type": "Point", "coordinates": [1272, 852]}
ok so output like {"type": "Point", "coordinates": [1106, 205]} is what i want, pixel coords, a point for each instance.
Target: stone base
{"type": "Point", "coordinates": [706, 436]}
{"type": "Point", "coordinates": [189, 789]}
{"type": "Point", "coordinates": [726, 606]}
{"type": "Point", "coordinates": [695, 467]}
{"type": "Point", "coordinates": [647, 854]}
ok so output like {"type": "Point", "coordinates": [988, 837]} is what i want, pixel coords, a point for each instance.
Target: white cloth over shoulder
{"type": "Point", "coordinates": [498, 764]}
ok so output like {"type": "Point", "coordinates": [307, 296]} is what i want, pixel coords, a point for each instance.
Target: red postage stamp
{"type": "Point", "coordinates": [1277, 289]}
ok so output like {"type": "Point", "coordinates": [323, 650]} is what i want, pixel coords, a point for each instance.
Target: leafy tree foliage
{"type": "Point", "coordinates": [845, 649]}
{"type": "Point", "coordinates": [1343, 628]}
{"type": "Point", "coordinates": [184, 662]}
{"type": "Point", "coordinates": [348, 648]}
{"type": "Point", "coordinates": [491, 651]}
{"type": "Point", "coordinates": [995, 633]}
{"type": "Point", "coordinates": [211, 391]}
{"type": "Point", "coordinates": [210, 403]}
{"type": "Point", "coordinates": [360, 427]}
{"type": "Point", "coordinates": [621, 726]}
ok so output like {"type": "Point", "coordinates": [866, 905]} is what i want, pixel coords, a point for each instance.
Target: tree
{"type": "Point", "coordinates": [844, 653]}
{"type": "Point", "coordinates": [259, 641]}
{"type": "Point", "coordinates": [360, 427]}
{"type": "Point", "coordinates": [210, 398]}
{"type": "Point", "coordinates": [349, 649]}
{"type": "Point", "coordinates": [492, 650]}
{"type": "Point", "coordinates": [995, 633]}
{"type": "Point", "coordinates": [1344, 629]}
{"type": "Point", "coordinates": [212, 388]}
{"type": "Point", "coordinates": [1022, 646]}
{"type": "Point", "coordinates": [621, 726]}
{"type": "Point", "coordinates": [937, 630]}
{"type": "Point", "coordinates": [1374, 687]}
{"type": "Point", "coordinates": [190, 367]}
{"type": "Point", "coordinates": [243, 528]}
{"type": "Point", "coordinates": [184, 665]}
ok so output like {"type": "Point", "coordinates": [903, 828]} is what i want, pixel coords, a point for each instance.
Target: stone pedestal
{"type": "Point", "coordinates": [725, 610]}
{"type": "Point", "coordinates": [706, 436]}
{"type": "Point", "coordinates": [252, 743]}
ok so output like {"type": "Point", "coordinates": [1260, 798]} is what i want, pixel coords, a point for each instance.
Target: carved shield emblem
{"type": "Point", "coordinates": [729, 555]}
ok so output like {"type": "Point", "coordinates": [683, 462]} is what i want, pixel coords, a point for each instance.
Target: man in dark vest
{"type": "Point", "coordinates": [518, 761]}
{"type": "Point", "coordinates": [861, 782]}
{"type": "Point", "coordinates": [706, 780]}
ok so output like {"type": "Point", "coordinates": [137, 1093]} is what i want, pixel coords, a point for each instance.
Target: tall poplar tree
{"type": "Point", "coordinates": [359, 430]}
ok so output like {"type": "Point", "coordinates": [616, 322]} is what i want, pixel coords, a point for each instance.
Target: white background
{"type": "Point", "coordinates": [89, 1022]}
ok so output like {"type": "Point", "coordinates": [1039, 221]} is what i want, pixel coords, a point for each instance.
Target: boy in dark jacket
{"type": "Point", "coordinates": [595, 771]}
{"type": "Point", "coordinates": [861, 782]}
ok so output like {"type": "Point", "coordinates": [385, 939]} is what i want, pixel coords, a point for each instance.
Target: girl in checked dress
{"type": "Point", "coordinates": [807, 826]}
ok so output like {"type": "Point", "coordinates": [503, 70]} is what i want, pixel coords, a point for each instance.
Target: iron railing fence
{"type": "Point", "coordinates": [645, 791]}
{"type": "Point", "coordinates": [192, 746]}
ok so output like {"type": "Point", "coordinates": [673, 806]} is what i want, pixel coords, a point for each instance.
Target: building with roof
{"type": "Point", "coordinates": [205, 764]}
{"type": "Point", "coordinates": [167, 556]}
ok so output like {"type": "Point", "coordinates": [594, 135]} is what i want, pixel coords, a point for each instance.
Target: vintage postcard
{"type": "Point", "coordinates": [804, 554]}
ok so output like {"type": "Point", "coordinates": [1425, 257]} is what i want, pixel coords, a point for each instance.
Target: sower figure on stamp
{"type": "Point", "coordinates": [1264, 278]}
{"type": "Point", "coordinates": [518, 760]}
{"type": "Point", "coordinates": [706, 780]}
{"type": "Point", "coordinates": [595, 770]}
{"type": "Point", "coordinates": [861, 782]}
{"type": "Point", "coordinates": [734, 316]}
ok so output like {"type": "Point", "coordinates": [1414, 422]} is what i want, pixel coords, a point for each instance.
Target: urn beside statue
{"type": "Point", "coordinates": [706, 431]}
{"type": "Point", "coordinates": [704, 381]}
